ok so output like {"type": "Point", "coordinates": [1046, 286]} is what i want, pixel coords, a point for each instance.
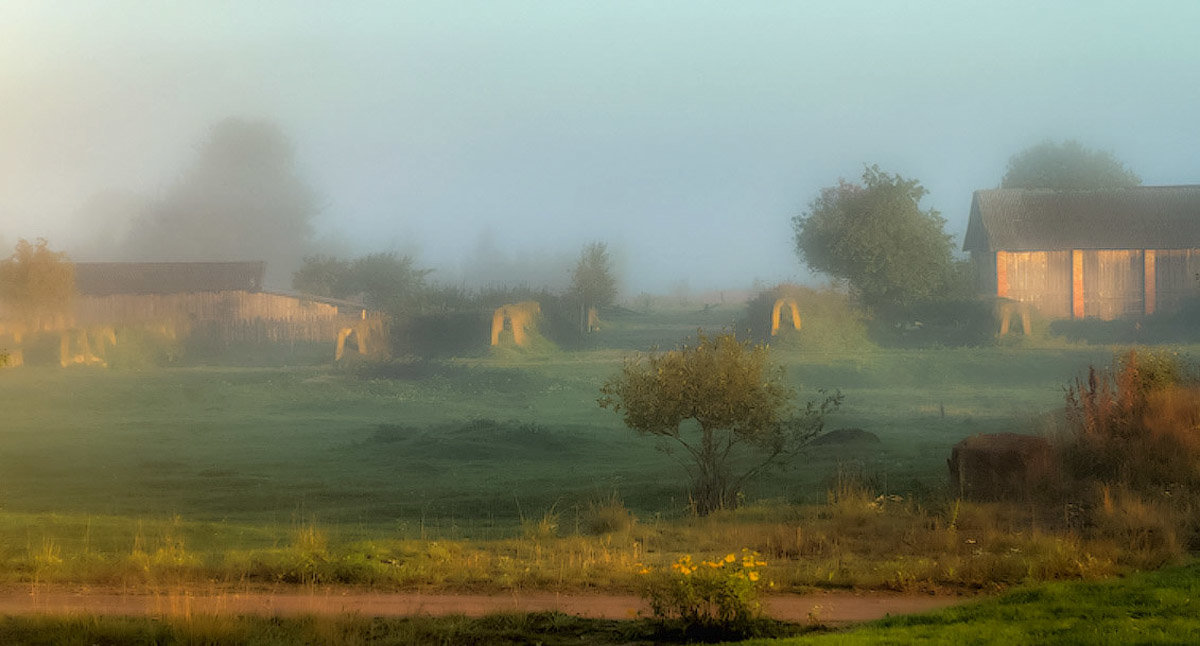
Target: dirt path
{"type": "Point", "coordinates": [828, 608]}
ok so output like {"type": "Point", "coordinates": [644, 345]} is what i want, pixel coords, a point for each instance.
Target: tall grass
{"type": "Point", "coordinates": [1133, 449]}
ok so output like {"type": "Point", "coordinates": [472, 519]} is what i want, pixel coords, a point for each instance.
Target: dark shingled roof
{"type": "Point", "coordinates": [1143, 217]}
{"type": "Point", "coordinates": [107, 278]}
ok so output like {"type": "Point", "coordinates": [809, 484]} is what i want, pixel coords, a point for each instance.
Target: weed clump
{"type": "Point", "coordinates": [607, 516]}
{"type": "Point", "coordinates": [1132, 450]}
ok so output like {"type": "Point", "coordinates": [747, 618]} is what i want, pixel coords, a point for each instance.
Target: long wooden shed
{"type": "Point", "coordinates": [1075, 254]}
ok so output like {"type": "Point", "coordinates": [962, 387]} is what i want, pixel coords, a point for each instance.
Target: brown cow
{"type": "Point", "coordinates": [999, 466]}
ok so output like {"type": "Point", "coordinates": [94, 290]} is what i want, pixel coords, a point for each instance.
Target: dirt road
{"type": "Point", "coordinates": [827, 608]}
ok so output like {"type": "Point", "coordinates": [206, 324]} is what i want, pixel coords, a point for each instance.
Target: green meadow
{"type": "Point", "coordinates": [488, 448]}
{"type": "Point", "coordinates": [499, 471]}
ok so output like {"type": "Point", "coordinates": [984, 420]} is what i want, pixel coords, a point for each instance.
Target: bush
{"type": "Point", "coordinates": [1136, 424]}
{"type": "Point", "coordinates": [458, 322]}
{"type": "Point", "coordinates": [1177, 326]}
{"type": "Point", "coordinates": [720, 594]}
{"type": "Point", "coordinates": [829, 320]}
{"type": "Point", "coordinates": [953, 323]}
{"type": "Point", "coordinates": [1133, 449]}
{"type": "Point", "coordinates": [442, 334]}
{"type": "Point", "coordinates": [607, 516]}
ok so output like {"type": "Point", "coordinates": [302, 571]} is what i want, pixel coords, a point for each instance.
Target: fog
{"type": "Point", "coordinates": [492, 140]}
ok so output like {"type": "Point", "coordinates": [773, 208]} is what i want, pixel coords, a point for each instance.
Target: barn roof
{"type": "Point", "coordinates": [107, 278]}
{"type": "Point", "coordinates": [1143, 217]}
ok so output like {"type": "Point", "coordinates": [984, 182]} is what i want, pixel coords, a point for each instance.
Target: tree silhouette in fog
{"type": "Point", "coordinates": [592, 281]}
{"type": "Point", "coordinates": [241, 199]}
{"type": "Point", "coordinates": [37, 285]}
{"type": "Point", "coordinates": [1067, 166]}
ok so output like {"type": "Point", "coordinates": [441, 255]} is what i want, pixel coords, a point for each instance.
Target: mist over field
{"type": "Point", "coordinates": [492, 140]}
{"type": "Point", "coordinates": [638, 322]}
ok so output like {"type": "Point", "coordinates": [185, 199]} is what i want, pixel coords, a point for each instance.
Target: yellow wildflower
{"type": "Point", "coordinates": [753, 576]}
{"type": "Point", "coordinates": [730, 558]}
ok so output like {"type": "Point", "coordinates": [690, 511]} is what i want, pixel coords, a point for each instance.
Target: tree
{"type": "Point", "coordinates": [242, 199]}
{"type": "Point", "coordinates": [1067, 166]}
{"type": "Point", "coordinates": [323, 276]}
{"type": "Point", "coordinates": [387, 281]}
{"type": "Point", "coordinates": [592, 281]}
{"type": "Point", "coordinates": [37, 285]}
{"type": "Point", "coordinates": [875, 237]}
{"type": "Point", "coordinates": [724, 404]}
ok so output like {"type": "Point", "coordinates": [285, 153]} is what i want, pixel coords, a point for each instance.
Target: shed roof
{"type": "Point", "coordinates": [1143, 217]}
{"type": "Point", "coordinates": [107, 278]}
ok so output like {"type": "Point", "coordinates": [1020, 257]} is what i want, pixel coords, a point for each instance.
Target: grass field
{"type": "Point", "coordinates": [469, 447]}
{"type": "Point", "coordinates": [1149, 608]}
{"type": "Point", "coordinates": [489, 472]}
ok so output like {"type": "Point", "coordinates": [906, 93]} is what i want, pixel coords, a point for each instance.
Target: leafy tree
{"type": "Point", "coordinates": [724, 404]}
{"type": "Point", "coordinates": [323, 276]}
{"type": "Point", "coordinates": [242, 199]}
{"type": "Point", "coordinates": [875, 237]}
{"type": "Point", "coordinates": [387, 281]}
{"type": "Point", "coordinates": [37, 285]}
{"type": "Point", "coordinates": [1067, 166]}
{"type": "Point", "coordinates": [592, 281]}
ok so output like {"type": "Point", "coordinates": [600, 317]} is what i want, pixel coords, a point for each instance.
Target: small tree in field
{"type": "Point", "coordinates": [724, 404]}
{"type": "Point", "coordinates": [37, 285]}
{"type": "Point", "coordinates": [592, 281]}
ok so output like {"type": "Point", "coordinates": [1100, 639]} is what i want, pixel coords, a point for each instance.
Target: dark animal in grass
{"type": "Point", "coordinates": [999, 466]}
{"type": "Point", "coordinates": [845, 436]}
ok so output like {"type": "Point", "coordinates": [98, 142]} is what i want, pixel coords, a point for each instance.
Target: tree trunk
{"type": "Point", "coordinates": [710, 489]}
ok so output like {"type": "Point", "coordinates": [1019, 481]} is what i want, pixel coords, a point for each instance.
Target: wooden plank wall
{"type": "Point", "coordinates": [1042, 278]}
{"type": "Point", "coordinates": [1175, 277]}
{"type": "Point", "coordinates": [249, 316]}
{"type": "Point", "coordinates": [1105, 284]}
{"type": "Point", "coordinates": [1113, 280]}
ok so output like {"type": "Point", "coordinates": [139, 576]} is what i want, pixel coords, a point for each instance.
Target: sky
{"type": "Point", "coordinates": [685, 135]}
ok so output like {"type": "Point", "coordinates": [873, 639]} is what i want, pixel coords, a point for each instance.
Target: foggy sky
{"type": "Point", "coordinates": [685, 134]}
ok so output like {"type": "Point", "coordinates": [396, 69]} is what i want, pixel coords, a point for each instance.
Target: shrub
{"type": "Point", "coordinates": [1136, 424]}
{"type": "Point", "coordinates": [951, 323]}
{"type": "Point", "coordinates": [722, 594]}
{"type": "Point", "coordinates": [1133, 448]}
{"type": "Point", "coordinates": [829, 320]}
{"type": "Point", "coordinates": [607, 516]}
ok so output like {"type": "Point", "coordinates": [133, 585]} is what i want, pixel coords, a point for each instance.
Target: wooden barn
{"type": "Point", "coordinates": [1076, 254]}
{"type": "Point", "coordinates": [220, 303]}
{"type": "Point", "coordinates": [224, 298]}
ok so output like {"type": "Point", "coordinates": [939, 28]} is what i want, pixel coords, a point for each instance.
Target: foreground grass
{"type": "Point", "coordinates": [550, 629]}
{"type": "Point", "coordinates": [1160, 607]}
{"type": "Point", "coordinates": [855, 540]}
{"type": "Point", "coordinates": [1149, 608]}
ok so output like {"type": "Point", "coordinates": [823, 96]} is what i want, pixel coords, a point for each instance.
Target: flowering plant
{"type": "Point", "coordinates": [723, 592]}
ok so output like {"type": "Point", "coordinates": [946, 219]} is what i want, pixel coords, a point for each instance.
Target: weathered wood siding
{"type": "Point", "coordinates": [234, 315]}
{"type": "Point", "coordinates": [1041, 278]}
{"type": "Point", "coordinates": [1113, 282]}
{"type": "Point", "coordinates": [1175, 277]}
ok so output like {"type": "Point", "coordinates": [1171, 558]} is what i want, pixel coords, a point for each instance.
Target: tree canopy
{"type": "Point", "coordinates": [387, 281]}
{"type": "Point", "coordinates": [242, 199]}
{"type": "Point", "coordinates": [721, 401]}
{"type": "Point", "coordinates": [1067, 166]}
{"type": "Point", "coordinates": [37, 285]}
{"type": "Point", "coordinates": [876, 238]}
